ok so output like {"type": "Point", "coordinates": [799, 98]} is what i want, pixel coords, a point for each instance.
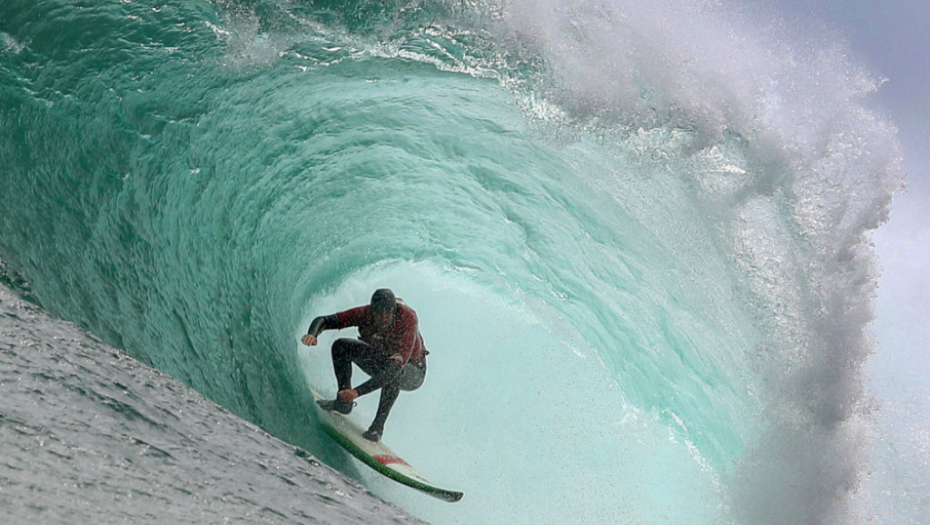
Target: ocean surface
{"type": "Point", "coordinates": [636, 237]}
{"type": "Point", "coordinates": [91, 435]}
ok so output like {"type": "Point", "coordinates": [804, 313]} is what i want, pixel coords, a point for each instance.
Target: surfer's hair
{"type": "Point", "coordinates": [383, 300]}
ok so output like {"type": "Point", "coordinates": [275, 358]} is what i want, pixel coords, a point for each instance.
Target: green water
{"type": "Point", "coordinates": [635, 298]}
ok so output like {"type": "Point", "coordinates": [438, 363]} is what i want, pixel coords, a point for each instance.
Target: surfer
{"type": "Point", "coordinates": [389, 348]}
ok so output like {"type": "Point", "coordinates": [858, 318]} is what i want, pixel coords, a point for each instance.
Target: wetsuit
{"type": "Point", "coordinates": [394, 357]}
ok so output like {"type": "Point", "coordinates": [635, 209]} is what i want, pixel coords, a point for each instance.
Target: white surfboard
{"type": "Point", "coordinates": [348, 434]}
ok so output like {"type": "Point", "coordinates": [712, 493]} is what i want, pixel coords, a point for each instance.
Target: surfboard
{"type": "Point", "coordinates": [348, 434]}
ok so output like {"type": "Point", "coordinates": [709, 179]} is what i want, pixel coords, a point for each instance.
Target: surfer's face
{"type": "Point", "coordinates": [384, 319]}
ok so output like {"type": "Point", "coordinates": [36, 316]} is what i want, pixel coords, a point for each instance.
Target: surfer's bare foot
{"type": "Point", "coordinates": [372, 435]}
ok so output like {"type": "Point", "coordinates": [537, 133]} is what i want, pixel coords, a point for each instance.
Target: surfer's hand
{"type": "Point", "coordinates": [347, 396]}
{"type": "Point", "coordinates": [309, 340]}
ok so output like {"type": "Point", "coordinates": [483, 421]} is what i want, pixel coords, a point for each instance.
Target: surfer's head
{"type": "Point", "coordinates": [383, 304]}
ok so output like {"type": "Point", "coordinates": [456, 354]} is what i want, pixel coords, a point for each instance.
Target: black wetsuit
{"type": "Point", "coordinates": [394, 357]}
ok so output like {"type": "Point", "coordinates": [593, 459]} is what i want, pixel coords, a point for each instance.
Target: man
{"type": "Point", "coordinates": [389, 349]}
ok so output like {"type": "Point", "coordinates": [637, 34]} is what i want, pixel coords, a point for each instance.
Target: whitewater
{"type": "Point", "coordinates": [636, 237]}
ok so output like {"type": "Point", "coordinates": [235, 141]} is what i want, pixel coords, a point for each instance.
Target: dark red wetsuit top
{"type": "Point", "coordinates": [401, 342]}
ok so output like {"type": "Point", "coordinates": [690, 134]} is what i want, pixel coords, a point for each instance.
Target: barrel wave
{"type": "Point", "coordinates": [635, 235]}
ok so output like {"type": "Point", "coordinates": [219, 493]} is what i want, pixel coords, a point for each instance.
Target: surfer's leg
{"type": "Point", "coordinates": [411, 377]}
{"type": "Point", "coordinates": [389, 395]}
{"type": "Point", "coordinates": [344, 352]}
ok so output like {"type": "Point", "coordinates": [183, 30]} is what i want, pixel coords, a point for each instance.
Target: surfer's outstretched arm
{"type": "Point", "coordinates": [323, 322]}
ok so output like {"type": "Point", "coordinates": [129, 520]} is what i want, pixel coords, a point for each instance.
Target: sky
{"type": "Point", "coordinates": [892, 38]}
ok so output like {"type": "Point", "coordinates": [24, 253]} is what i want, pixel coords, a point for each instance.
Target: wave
{"type": "Point", "coordinates": [635, 234]}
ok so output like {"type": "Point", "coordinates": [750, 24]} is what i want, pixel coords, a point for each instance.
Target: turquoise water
{"type": "Point", "coordinates": [635, 236]}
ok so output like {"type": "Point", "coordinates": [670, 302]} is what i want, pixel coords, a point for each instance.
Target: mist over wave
{"type": "Point", "coordinates": [635, 234]}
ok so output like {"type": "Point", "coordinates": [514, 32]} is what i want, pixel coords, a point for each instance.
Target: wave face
{"type": "Point", "coordinates": [90, 435]}
{"type": "Point", "coordinates": [634, 235]}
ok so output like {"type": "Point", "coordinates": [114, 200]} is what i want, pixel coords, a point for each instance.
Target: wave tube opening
{"type": "Point", "coordinates": [514, 410]}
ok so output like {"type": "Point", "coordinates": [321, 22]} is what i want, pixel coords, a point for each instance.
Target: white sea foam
{"type": "Point", "coordinates": [810, 170]}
